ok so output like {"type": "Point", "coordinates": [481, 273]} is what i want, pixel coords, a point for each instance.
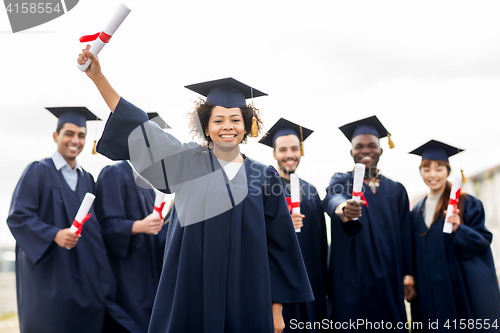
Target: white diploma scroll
{"type": "Point", "coordinates": [159, 200]}
{"type": "Point", "coordinates": [117, 19]}
{"type": "Point", "coordinates": [159, 203]}
{"type": "Point", "coordinates": [84, 209]}
{"type": "Point", "coordinates": [454, 194]}
{"type": "Point", "coordinates": [295, 194]}
{"type": "Point", "coordinates": [81, 215]}
{"type": "Point", "coordinates": [357, 186]}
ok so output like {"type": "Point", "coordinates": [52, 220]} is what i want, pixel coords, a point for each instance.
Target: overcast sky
{"type": "Point", "coordinates": [427, 69]}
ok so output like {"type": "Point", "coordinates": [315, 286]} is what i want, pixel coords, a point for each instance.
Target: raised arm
{"type": "Point", "coordinates": [94, 72]}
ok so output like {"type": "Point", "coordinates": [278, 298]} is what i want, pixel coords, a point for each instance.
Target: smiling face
{"type": "Point", "coordinates": [226, 127]}
{"type": "Point", "coordinates": [70, 141]}
{"type": "Point", "coordinates": [434, 174]}
{"type": "Point", "coordinates": [366, 150]}
{"type": "Point", "coordinates": [287, 153]}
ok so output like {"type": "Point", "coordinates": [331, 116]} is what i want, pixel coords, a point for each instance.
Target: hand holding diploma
{"type": "Point", "coordinates": [294, 203]}
{"type": "Point", "coordinates": [102, 38]}
{"type": "Point", "coordinates": [68, 237]}
{"type": "Point", "coordinates": [152, 223]}
{"type": "Point", "coordinates": [452, 220]}
{"type": "Point", "coordinates": [357, 187]}
{"type": "Point", "coordinates": [352, 208]}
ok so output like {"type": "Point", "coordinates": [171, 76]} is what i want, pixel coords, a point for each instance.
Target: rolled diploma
{"type": "Point", "coordinates": [457, 184]}
{"type": "Point", "coordinates": [117, 19]}
{"type": "Point", "coordinates": [159, 199]}
{"type": "Point", "coordinates": [357, 186]}
{"type": "Point", "coordinates": [295, 194]}
{"type": "Point", "coordinates": [87, 202]}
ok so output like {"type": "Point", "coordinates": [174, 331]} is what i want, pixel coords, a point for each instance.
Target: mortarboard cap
{"type": "Point", "coordinates": [155, 117]}
{"type": "Point", "coordinates": [436, 150]}
{"type": "Point", "coordinates": [227, 92]}
{"type": "Point", "coordinates": [74, 115]}
{"type": "Point", "coordinates": [370, 125]}
{"type": "Point", "coordinates": [285, 127]}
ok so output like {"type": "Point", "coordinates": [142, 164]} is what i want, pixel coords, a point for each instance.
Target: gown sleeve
{"type": "Point", "coordinates": [156, 155]}
{"type": "Point", "coordinates": [32, 235]}
{"type": "Point", "coordinates": [471, 237]}
{"type": "Point", "coordinates": [406, 233]}
{"type": "Point", "coordinates": [111, 211]}
{"type": "Point", "coordinates": [289, 281]}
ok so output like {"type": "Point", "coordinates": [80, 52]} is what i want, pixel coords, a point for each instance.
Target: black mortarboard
{"type": "Point", "coordinates": [73, 114]}
{"type": "Point", "coordinates": [155, 117]}
{"type": "Point", "coordinates": [227, 92]}
{"type": "Point", "coordinates": [436, 150]}
{"type": "Point", "coordinates": [285, 127]}
{"type": "Point", "coordinates": [370, 125]}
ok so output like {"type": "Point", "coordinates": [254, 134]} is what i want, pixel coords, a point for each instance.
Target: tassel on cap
{"type": "Point", "coordinates": [464, 180]}
{"type": "Point", "coordinates": [255, 129]}
{"type": "Point", "coordinates": [94, 150]}
{"type": "Point", "coordinates": [301, 142]}
{"type": "Point", "coordinates": [391, 144]}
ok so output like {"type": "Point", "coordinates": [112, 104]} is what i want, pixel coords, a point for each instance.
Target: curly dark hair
{"type": "Point", "coordinates": [203, 111]}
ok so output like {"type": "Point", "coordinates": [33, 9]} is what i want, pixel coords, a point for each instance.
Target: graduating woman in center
{"type": "Point", "coordinates": [456, 281]}
{"type": "Point", "coordinates": [232, 258]}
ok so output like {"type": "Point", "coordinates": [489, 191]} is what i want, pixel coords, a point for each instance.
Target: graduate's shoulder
{"type": "Point", "coordinates": [256, 168]}
{"type": "Point", "coordinates": [394, 183]}
{"type": "Point", "coordinates": [342, 178]}
{"type": "Point", "coordinates": [418, 206]}
{"type": "Point", "coordinates": [470, 202]}
{"type": "Point", "coordinates": [40, 166]}
{"type": "Point", "coordinates": [307, 185]}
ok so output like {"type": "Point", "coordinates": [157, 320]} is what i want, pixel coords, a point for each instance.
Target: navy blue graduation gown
{"type": "Point", "coordinates": [59, 290]}
{"type": "Point", "coordinates": [223, 273]}
{"type": "Point", "coordinates": [314, 246]}
{"type": "Point", "coordinates": [136, 260]}
{"type": "Point", "coordinates": [455, 274]}
{"type": "Point", "coordinates": [369, 257]}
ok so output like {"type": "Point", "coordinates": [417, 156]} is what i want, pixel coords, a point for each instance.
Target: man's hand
{"type": "Point", "coordinates": [151, 224]}
{"type": "Point", "coordinates": [352, 209]}
{"type": "Point", "coordinates": [279, 323]}
{"type": "Point", "coordinates": [297, 220]}
{"type": "Point", "coordinates": [65, 238]}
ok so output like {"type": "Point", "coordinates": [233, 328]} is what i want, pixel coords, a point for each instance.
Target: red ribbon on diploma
{"type": "Point", "coordinates": [102, 36]}
{"type": "Point", "coordinates": [360, 194]}
{"type": "Point", "coordinates": [160, 209]}
{"type": "Point", "coordinates": [454, 202]}
{"type": "Point", "coordinates": [79, 225]}
{"type": "Point", "coordinates": [292, 205]}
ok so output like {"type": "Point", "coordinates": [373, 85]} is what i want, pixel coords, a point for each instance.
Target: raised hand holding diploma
{"type": "Point", "coordinates": [357, 187]}
{"type": "Point", "coordinates": [295, 195]}
{"type": "Point", "coordinates": [82, 215]}
{"type": "Point", "coordinates": [102, 38]}
{"type": "Point", "coordinates": [452, 204]}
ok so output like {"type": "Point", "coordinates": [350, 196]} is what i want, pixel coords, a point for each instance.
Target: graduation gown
{"type": "Point", "coordinates": [455, 274]}
{"type": "Point", "coordinates": [59, 290]}
{"type": "Point", "coordinates": [136, 260]}
{"type": "Point", "coordinates": [313, 244]}
{"type": "Point", "coordinates": [369, 257]}
{"type": "Point", "coordinates": [221, 273]}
